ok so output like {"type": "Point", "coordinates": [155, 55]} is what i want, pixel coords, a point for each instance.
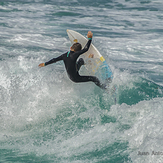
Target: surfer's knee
{"type": "Point", "coordinates": [81, 61]}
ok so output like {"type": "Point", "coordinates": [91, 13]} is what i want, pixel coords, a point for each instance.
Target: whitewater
{"type": "Point", "coordinates": [45, 117]}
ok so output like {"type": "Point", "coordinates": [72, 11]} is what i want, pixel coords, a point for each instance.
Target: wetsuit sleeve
{"type": "Point", "coordinates": [85, 49]}
{"type": "Point", "coordinates": [54, 60]}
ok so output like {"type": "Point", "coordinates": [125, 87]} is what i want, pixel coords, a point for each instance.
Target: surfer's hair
{"type": "Point", "coordinates": [76, 46]}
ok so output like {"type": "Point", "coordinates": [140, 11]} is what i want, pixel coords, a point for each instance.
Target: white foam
{"type": "Point", "coordinates": [145, 134]}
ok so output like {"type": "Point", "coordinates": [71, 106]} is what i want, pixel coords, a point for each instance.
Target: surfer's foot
{"type": "Point", "coordinates": [108, 80]}
{"type": "Point", "coordinates": [91, 56]}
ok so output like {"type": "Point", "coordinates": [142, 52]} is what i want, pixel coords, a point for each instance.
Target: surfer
{"type": "Point", "coordinates": [72, 65]}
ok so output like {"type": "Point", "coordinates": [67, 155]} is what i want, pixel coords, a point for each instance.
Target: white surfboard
{"type": "Point", "coordinates": [96, 65]}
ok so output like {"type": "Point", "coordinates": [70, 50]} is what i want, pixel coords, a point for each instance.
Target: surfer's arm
{"type": "Point", "coordinates": [54, 60]}
{"type": "Point", "coordinates": [85, 49]}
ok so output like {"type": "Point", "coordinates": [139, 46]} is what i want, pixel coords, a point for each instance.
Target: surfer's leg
{"type": "Point", "coordinates": [93, 79]}
{"type": "Point", "coordinates": [79, 63]}
{"type": "Point", "coordinates": [97, 82]}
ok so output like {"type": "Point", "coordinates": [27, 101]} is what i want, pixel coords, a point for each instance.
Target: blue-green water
{"type": "Point", "coordinates": [46, 118]}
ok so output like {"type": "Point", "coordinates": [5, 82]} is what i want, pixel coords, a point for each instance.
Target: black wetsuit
{"type": "Point", "coordinates": [72, 66]}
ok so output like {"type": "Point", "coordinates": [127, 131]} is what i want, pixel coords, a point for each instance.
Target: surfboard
{"type": "Point", "coordinates": [95, 65]}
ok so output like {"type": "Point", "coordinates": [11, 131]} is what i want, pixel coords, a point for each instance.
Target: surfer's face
{"type": "Point", "coordinates": [72, 49]}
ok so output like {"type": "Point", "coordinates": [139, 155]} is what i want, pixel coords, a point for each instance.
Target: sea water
{"type": "Point", "coordinates": [46, 118]}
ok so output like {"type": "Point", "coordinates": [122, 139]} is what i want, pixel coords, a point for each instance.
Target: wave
{"type": "Point", "coordinates": [139, 90]}
{"type": "Point", "coordinates": [46, 116]}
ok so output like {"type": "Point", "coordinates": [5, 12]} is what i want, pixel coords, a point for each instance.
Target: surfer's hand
{"type": "Point", "coordinates": [90, 34]}
{"type": "Point", "coordinates": [41, 65]}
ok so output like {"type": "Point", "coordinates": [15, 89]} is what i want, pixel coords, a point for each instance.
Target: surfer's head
{"type": "Point", "coordinates": [76, 47]}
